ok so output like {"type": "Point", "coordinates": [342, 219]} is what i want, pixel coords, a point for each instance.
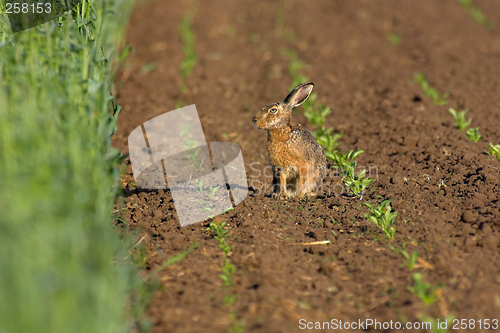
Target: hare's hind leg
{"type": "Point", "coordinates": [307, 182]}
{"type": "Point", "coordinates": [302, 185]}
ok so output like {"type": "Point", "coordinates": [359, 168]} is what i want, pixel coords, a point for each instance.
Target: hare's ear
{"type": "Point", "coordinates": [299, 94]}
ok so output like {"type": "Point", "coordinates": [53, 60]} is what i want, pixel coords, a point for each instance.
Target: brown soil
{"type": "Point", "coordinates": [410, 143]}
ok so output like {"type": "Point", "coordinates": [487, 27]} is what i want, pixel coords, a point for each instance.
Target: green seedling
{"type": "Point", "coordinates": [441, 185]}
{"type": "Point", "coordinates": [473, 134]}
{"type": "Point", "coordinates": [396, 250]}
{"type": "Point", "coordinates": [314, 111]}
{"type": "Point", "coordinates": [476, 13]}
{"type": "Point", "coordinates": [200, 185]}
{"type": "Point", "coordinates": [212, 190]}
{"type": "Point", "coordinates": [192, 153]}
{"type": "Point", "coordinates": [148, 67]}
{"type": "Point", "coordinates": [383, 217]}
{"type": "Point", "coordinates": [227, 210]}
{"type": "Point", "coordinates": [326, 140]}
{"type": "Point", "coordinates": [209, 208]}
{"type": "Point", "coordinates": [295, 68]}
{"type": "Point", "coordinates": [411, 260]}
{"type": "Point", "coordinates": [426, 292]}
{"type": "Point", "coordinates": [220, 234]}
{"type": "Point", "coordinates": [173, 260]}
{"type": "Point", "coordinates": [344, 160]}
{"type": "Point", "coordinates": [229, 300]}
{"type": "Point", "coordinates": [238, 325]}
{"type": "Point", "coordinates": [356, 182]}
{"type": "Point", "coordinates": [188, 44]}
{"type": "Point", "coordinates": [228, 270]}
{"type": "Point", "coordinates": [494, 150]}
{"type": "Point", "coordinates": [460, 122]}
{"type": "Point", "coordinates": [429, 91]}
{"type": "Point", "coordinates": [394, 39]}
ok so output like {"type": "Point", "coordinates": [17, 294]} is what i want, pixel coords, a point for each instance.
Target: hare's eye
{"type": "Point", "coordinates": [273, 110]}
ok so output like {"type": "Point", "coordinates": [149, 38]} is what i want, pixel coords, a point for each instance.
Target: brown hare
{"type": "Point", "coordinates": [298, 161]}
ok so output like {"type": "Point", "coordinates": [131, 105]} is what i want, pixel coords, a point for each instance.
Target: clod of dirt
{"type": "Point", "coordinates": [467, 230]}
{"type": "Point", "coordinates": [491, 241]}
{"type": "Point", "coordinates": [470, 241]}
{"type": "Point", "coordinates": [328, 267]}
{"type": "Point", "coordinates": [468, 217]}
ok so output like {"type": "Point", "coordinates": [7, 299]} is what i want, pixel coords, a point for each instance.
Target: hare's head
{"type": "Point", "coordinates": [278, 115]}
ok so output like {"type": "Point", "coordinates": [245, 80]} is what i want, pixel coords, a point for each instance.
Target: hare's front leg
{"type": "Point", "coordinates": [276, 183]}
{"type": "Point", "coordinates": [283, 191]}
{"type": "Point", "coordinates": [279, 184]}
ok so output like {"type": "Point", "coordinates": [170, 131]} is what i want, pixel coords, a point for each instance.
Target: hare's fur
{"type": "Point", "coordinates": [298, 161]}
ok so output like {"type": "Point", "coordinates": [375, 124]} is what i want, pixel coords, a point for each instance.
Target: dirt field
{"type": "Point", "coordinates": [445, 188]}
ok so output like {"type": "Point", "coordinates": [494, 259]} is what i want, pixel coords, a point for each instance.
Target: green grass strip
{"type": "Point", "coordinates": [188, 44]}
{"type": "Point", "coordinates": [61, 260]}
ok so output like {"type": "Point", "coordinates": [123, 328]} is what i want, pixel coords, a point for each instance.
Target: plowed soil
{"type": "Point", "coordinates": [445, 188]}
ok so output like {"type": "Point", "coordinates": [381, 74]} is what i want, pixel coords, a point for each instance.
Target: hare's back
{"type": "Point", "coordinates": [303, 140]}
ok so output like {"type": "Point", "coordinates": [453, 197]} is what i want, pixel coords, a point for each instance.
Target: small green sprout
{"type": "Point", "coordinates": [229, 300]}
{"type": "Point", "coordinates": [227, 210]}
{"type": "Point", "coordinates": [221, 233]}
{"type": "Point", "coordinates": [295, 67]}
{"type": "Point", "coordinates": [314, 111]}
{"type": "Point", "coordinates": [200, 185]}
{"type": "Point", "coordinates": [394, 39]}
{"type": "Point", "coordinates": [441, 185]}
{"type": "Point", "coordinates": [209, 208]}
{"type": "Point", "coordinates": [356, 182]}
{"type": "Point", "coordinates": [238, 326]}
{"type": "Point", "coordinates": [383, 217]}
{"type": "Point", "coordinates": [411, 260]}
{"type": "Point", "coordinates": [476, 13]}
{"type": "Point", "coordinates": [429, 91]}
{"type": "Point", "coordinates": [228, 270]}
{"type": "Point", "coordinates": [326, 140]}
{"type": "Point", "coordinates": [212, 190]}
{"type": "Point", "coordinates": [460, 122]}
{"type": "Point", "coordinates": [148, 67]}
{"type": "Point", "coordinates": [494, 150]}
{"type": "Point", "coordinates": [473, 134]}
{"type": "Point", "coordinates": [423, 290]}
